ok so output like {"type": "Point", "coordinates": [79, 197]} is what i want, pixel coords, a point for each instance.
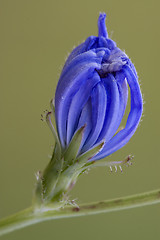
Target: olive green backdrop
{"type": "Point", "coordinates": [35, 38]}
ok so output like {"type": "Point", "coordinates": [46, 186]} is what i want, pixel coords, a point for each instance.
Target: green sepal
{"type": "Point", "coordinates": [38, 194]}
{"type": "Point", "coordinates": [85, 157]}
{"type": "Point", "coordinates": [52, 105]}
{"type": "Point", "coordinates": [63, 169]}
{"type": "Point", "coordinates": [73, 149]}
{"type": "Point", "coordinates": [54, 132]}
{"type": "Point", "coordinates": [51, 175]}
{"type": "Point", "coordinates": [82, 161]}
{"type": "Point", "coordinates": [70, 175]}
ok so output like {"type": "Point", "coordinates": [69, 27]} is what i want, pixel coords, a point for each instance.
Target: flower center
{"type": "Point", "coordinates": [113, 63]}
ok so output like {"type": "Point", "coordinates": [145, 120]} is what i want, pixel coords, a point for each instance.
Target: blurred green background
{"type": "Point", "coordinates": [35, 38]}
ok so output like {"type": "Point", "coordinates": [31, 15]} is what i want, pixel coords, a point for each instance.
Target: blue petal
{"type": "Point", "coordinates": [121, 138]}
{"type": "Point", "coordinates": [102, 30]}
{"type": "Point", "coordinates": [86, 119]}
{"type": "Point", "coordinates": [83, 47]}
{"type": "Point", "coordinates": [123, 89]}
{"type": "Point", "coordinates": [77, 104]}
{"type": "Point", "coordinates": [99, 103]}
{"type": "Point", "coordinates": [78, 71]}
{"type": "Point", "coordinates": [112, 112]}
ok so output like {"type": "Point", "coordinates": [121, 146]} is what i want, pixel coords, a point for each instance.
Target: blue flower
{"type": "Point", "coordinates": [93, 92]}
{"type": "Point", "coordinates": [90, 103]}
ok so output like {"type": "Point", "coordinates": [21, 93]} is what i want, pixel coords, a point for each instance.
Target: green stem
{"type": "Point", "coordinates": [31, 216]}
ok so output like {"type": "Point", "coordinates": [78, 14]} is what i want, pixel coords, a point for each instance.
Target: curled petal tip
{"type": "Point", "coordinates": [102, 30]}
{"type": "Point", "coordinates": [102, 16]}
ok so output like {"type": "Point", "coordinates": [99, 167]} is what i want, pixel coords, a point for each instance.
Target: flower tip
{"type": "Point", "coordinates": [102, 16]}
{"type": "Point", "coordinates": [52, 104]}
{"type": "Point", "coordinates": [102, 144]}
{"type": "Point", "coordinates": [102, 31]}
{"type": "Point", "coordinates": [83, 128]}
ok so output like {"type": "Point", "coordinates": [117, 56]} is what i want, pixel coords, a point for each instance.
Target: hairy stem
{"type": "Point", "coordinates": [31, 216]}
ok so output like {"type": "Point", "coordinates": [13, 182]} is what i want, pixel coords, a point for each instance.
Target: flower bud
{"type": "Point", "coordinates": [90, 102]}
{"type": "Point", "coordinates": [93, 91]}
